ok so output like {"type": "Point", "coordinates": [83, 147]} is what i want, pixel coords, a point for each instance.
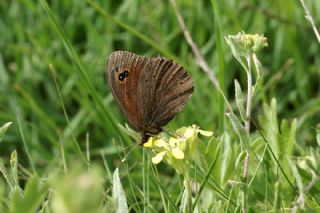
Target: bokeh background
{"type": "Point", "coordinates": [70, 42]}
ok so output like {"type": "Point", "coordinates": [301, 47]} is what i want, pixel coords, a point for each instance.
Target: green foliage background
{"type": "Point", "coordinates": [70, 41]}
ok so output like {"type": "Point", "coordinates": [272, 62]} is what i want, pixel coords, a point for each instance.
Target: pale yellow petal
{"type": "Point", "coordinates": [189, 132]}
{"type": "Point", "coordinates": [158, 158]}
{"type": "Point", "coordinates": [205, 133]}
{"type": "Point", "coordinates": [177, 153]}
{"type": "Point", "coordinates": [161, 143]}
{"type": "Point", "coordinates": [149, 142]}
{"type": "Point", "coordinates": [181, 130]}
{"type": "Point", "coordinates": [174, 141]}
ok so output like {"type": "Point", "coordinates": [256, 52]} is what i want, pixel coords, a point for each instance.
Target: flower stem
{"type": "Point", "coordinates": [249, 96]}
{"type": "Point", "coordinates": [247, 126]}
{"type": "Point", "coordinates": [187, 186]}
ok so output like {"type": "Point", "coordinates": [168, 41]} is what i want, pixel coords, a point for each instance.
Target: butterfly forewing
{"type": "Point", "coordinates": [124, 87]}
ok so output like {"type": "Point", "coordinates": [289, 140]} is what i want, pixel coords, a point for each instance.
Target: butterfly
{"type": "Point", "coordinates": [149, 91]}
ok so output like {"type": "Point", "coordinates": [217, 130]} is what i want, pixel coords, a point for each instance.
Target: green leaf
{"type": "Point", "coordinates": [32, 197]}
{"type": "Point", "coordinates": [14, 167]}
{"type": "Point", "coordinates": [240, 158]}
{"type": "Point", "coordinates": [269, 124]}
{"type": "Point", "coordinates": [184, 202]}
{"type": "Point", "coordinates": [287, 137]}
{"type": "Point", "coordinates": [318, 136]}
{"type": "Point", "coordinates": [281, 139]}
{"type": "Point", "coordinates": [228, 157]}
{"type": "Point", "coordinates": [241, 131]}
{"type": "Point", "coordinates": [119, 197]}
{"type": "Point", "coordinates": [240, 100]}
{"type": "Point", "coordinates": [214, 155]}
{"type": "Point", "coordinates": [3, 130]}
{"type": "Point", "coordinates": [296, 176]}
{"type": "Point", "coordinates": [312, 204]}
{"type": "Point", "coordinates": [277, 197]}
{"type": "Point", "coordinates": [6, 175]}
{"type": "Point", "coordinates": [259, 70]}
{"type": "Point", "coordinates": [236, 51]}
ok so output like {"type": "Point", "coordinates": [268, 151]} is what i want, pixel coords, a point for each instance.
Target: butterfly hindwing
{"type": "Point", "coordinates": [175, 91]}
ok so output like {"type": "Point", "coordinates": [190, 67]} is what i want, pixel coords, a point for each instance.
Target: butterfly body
{"type": "Point", "coordinates": [150, 91]}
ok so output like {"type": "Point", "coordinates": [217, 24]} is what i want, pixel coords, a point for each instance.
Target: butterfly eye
{"type": "Point", "coordinates": [123, 75]}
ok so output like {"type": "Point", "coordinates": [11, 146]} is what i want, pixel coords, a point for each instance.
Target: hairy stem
{"type": "Point", "coordinates": [249, 96]}
{"type": "Point", "coordinates": [247, 126]}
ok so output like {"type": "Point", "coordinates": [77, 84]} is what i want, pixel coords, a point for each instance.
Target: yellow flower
{"type": "Point", "coordinates": [192, 131]}
{"type": "Point", "coordinates": [158, 158]}
{"type": "Point", "coordinates": [163, 148]}
{"type": "Point", "coordinates": [175, 147]}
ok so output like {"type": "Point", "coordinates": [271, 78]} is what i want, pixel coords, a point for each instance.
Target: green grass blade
{"type": "Point", "coordinates": [26, 148]}
{"type": "Point", "coordinates": [83, 73]}
{"type": "Point", "coordinates": [221, 74]}
{"type": "Point", "coordinates": [139, 35]}
{"type": "Point", "coordinates": [75, 142]}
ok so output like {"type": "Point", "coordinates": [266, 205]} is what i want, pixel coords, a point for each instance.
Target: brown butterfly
{"type": "Point", "coordinates": [150, 91]}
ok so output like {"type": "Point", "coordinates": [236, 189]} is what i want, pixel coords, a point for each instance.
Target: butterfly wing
{"type": "Point", "coordinates": [123, 70]}
{"type": "Point", "coordinates": [169, 89]}
{"type": "Point", "coordinates": [150, 91]}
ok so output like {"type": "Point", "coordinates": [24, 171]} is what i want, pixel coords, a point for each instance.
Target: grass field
{"type": "Point", "coordinates": [68, 148]}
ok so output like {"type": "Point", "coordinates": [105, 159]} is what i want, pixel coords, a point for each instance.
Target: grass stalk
{"type": "Point", "coordinates": [199, 57]}
{"type": "Point", "coordinates": [26, 148]}
{"type": "Point", "coordinates": [310, 19]}
{"type": "Point", "coordinates": [75, 142]}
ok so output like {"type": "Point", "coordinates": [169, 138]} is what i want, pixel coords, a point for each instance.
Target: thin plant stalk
{"type": "Point", "coordinates": [187, 185]}
{"type": "Point", "coordinates": [247, 127]}
{"type": "Point", "coordinates": [249, 96]}
{"type": "Point", "coordinates": [199, 57]}
{"type": "Point", "coordinates": [310, 19]}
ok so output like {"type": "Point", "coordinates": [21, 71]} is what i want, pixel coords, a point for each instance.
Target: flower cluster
{"type": "Point", "coordinates": [247, 43]}
{"type": "Point", "coordinates": [176, 148]}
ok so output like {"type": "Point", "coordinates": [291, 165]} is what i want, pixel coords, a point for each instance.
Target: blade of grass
{"type": "Point", "coordinates": [274, 157]}
{"type": "Point", "coordinates": [256, 171]}
{"type": "Point", "coordinates": [75, 142]}
{"type": "Point", "coordinates": [105, 114]}
{"type": "Point", "coordinates": [36, 108]}
{"type": "Point", "coordinates": [221, 74]}
{"type": "Point", "coordinates": [163, 190]}
{"type": "Point", "coordinates": [65, 168]}
{"type": "Point", "coordinates": [199, 57]}
{"type": "Point", "coordinates": [164, 204]}
{"type": "Point", "coordinates": [131, 181]}
{"type": "Point", "coordinates": [206, 179]}
{"type": "Point", "coordinates": [25, 144]}
{"type": "Point", "coordinates": [131, 30]}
